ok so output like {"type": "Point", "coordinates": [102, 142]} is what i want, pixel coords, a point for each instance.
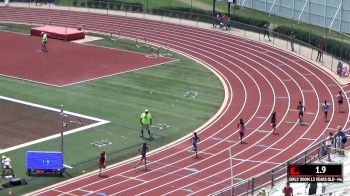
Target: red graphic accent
{"type": "Point", "coordinates": [294, 170]}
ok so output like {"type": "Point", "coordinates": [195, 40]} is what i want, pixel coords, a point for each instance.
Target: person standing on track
{"type": "Point", "coordinates": [325, 108]}
{"type": "Point", "coordinates": [340, 99]}
{"type": "Point", "coordinates": [146, 121]}
{"type": "Point", "coordinates": [44, 42]}
{"type": "Point", "coordinates": [195, 140]}
{"type": "Point", "coordinates": [241, 127]}
{"type": "Point", "coordinates": [102, 162]}
{"type": "Point", "coordinates": [301, 110]}
{"type": "Point", "coordinates": [143, 150]}
{"type": "Point", "coordinates": [273, 121]}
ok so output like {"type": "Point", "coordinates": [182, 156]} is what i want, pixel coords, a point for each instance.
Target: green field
{"type": "Point", "coordinates": [120, 99]}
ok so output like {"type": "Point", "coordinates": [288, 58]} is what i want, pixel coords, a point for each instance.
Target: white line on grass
{"type": "Point", "coordinates": [98, 123]}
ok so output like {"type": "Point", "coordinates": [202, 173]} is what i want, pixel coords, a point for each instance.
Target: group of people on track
{"type": "Point", "coordinates": [146, 122]}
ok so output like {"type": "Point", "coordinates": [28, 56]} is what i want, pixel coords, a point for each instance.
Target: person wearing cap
{"type": "Point", "coordinates": [143, 150]}
{"type": "Point", "coordinates": [44, 41]}
{"type": "Point", "coordinates": [194, 140]}
{"type": "Point", "coordinates": [6, 166]}
{"type": "Point", "coordinates": [145, 121]}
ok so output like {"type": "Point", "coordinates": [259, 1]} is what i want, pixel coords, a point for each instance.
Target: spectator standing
{"type": "Point", "coordinates": [7, 2]}
{"type": "Point", "coordinates": [312, 188]}
{"type": "Point", "coordinates": [241, 127]}
{"type": "Point", "coordinates": [340, 69]}
{"type": "Point", "coordinates": [292, 39]}
{"type": "Point", "coordinates": [224, 22]}
{"type": "Point", "coordinates": [217, 20]}
{"type": "Point", "coordinates": [287, 190]}
{"type": "Point", "coordinates": [146, 121]}
{"type": "Point", "coordinates": [328, 143]}
{"type": "Point", "coordinates": [267, 31]}
{"type": "Point", "coordinates": [340, 98]}
{"type": "Point", "coordinates": [320, 49]}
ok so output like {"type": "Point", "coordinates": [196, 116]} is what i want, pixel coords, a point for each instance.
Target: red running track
{"type": "Point", "coordinates": [258, 78]}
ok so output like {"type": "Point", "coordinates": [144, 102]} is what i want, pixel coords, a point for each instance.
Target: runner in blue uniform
{"type": "Point", "coordinates": [325, 108]}
{"type": "Point", "coordinates": [194, 140]}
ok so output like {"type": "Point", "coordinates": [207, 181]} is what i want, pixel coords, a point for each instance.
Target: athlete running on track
{"type": "Point", "coordinates": [340, 99]}
{"type": "Point", "coordinates": [194, 140]}
{"type": "Point", "coordinates": [301, 110]}
{"type": "Point", "coordinates": [273, 121]}
{"type": "Point", "coordinates": [143, 150]}
{"type": "Point", "coordinates": [241, 127]}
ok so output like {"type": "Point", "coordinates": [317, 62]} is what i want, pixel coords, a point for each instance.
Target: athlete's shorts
{"type": "Point", "coordinates": [340, 101]}
{"type": "Point", "coordinates": [145, 127]}
{"type": "Point", "coordinates": [344, 140]}
{"type": "Point", "coordinates": [301, 113]}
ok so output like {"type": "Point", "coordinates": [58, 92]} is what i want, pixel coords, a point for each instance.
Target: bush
{"type": "Point", "coordinates": [126, 6]}
{"type": "Point", "coordinates": [103, 4]}
{"type": "Point", "coordinates": [82, 4]}
{"type": "Point", "coordinates": [111, 5]}
{"type": "Point", "coordinates": [96, 3]}
{"type": "Point", "coordinates": [136, 7]}
{"type": "Point", "coordinates": [118, 6]}
{"type": "Point", "coordinates": [89, 3]}
{"type": "Point", "coordinates": [75, 3]}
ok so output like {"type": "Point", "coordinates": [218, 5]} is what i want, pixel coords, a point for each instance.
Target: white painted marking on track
{"type": "Point", "coordinates": [282, 97]}
{"type": "Point", "coordinates": [305, 138]}
{"type": "Point", "coordinates": [308, 91]}
{"type": "Point", "coordinates": [85, 190]}
{"type": "Point", "coordinates": [98, 123]}
{"type": "Point", "coordinates": [335, 129]}
{"type": "Point", "coordinates": [253, 161]}
{"type": "Point", "coordinates": [308, 74]}
{"type": "Point", "coordinates": [290, 122]}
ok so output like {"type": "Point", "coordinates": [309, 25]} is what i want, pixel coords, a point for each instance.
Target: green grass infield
{"type": "Point", "coordinates": [120, 99]}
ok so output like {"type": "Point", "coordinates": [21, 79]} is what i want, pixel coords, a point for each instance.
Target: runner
{"type": "Point", "coordinates": [340, 98]}
{"type": "Point", "coordinates": [241, 127]}
{"type": "Point", "coordinates": [143, 150]}
{"type": "Point", "coordinates": [301, 110]}
{"type": "Point", "coordinates": [273, 121]}
{"type": "Point", "coordinates": [102, 162]}
{"type": "Point", "coordinates": [325, 108]}
{"type": "Point", "coordinates": [194, 140]}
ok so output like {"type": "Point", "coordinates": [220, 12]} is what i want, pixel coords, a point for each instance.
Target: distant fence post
{"type": "Point", "coordinates": [272, 177]}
